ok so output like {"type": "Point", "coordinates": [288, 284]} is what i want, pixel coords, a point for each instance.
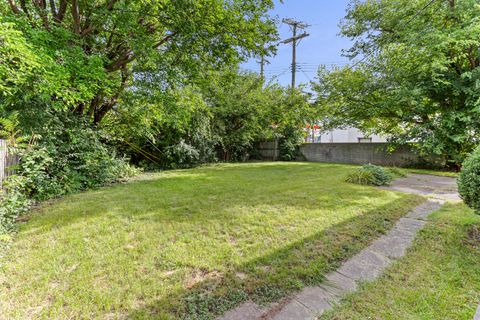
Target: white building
{"type": "Point", "coordinates": [348, 135]}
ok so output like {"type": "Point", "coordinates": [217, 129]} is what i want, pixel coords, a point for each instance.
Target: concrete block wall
{"type": "Point", "coordinates": [359, 153]}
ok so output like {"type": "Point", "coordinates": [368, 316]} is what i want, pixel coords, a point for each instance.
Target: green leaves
{"type": "Point", "coordinates": [92, 51]}
{"type": "Point", "coordinates": [419, 79]}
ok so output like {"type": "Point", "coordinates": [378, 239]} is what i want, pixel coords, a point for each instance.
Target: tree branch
{"type": "Point", "coordinates": [76, 16]}
{"type": "Point", "coordinates": [13, 6]}
{"type": "Point", "coordinates": [111, 4]}
{"type": "Point", "coordinates": [53, 8]}
{"type": "Point", "coordinates": [61, 11]}
{"type": "Point", "coordinates": [167, 38]}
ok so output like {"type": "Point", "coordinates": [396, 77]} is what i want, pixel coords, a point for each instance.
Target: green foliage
{"type": "Point", "coordinates": [361, 177]}
{"type": "Point", "coordinates": [69, 157]}
{"type": "Point", "coordinates": [396, 172]}
{"type": "Point", "coordinates": [13, 203]}
{"type": "Point", "coordinates": [469, 181]}
{"type": "Point", "coordinates": [289, 143]}
{"type": "Point", "coordinates": [18, 61]}
{"type": "Point", "coordinates": [220, 118]}
{"type": "Point", "coordinates": [418, 80]}
{"type": "Point", "coordinates": [370, 174]}
{"type": "Point", "coordinates": [91, 52]}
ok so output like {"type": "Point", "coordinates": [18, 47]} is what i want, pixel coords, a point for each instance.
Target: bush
{"type": "Point", "coordinates": [68, 156]}
{"type": "Point", "coordinates": [370, 174]}
{"type": "Point", "coordinates": [181, 155]}
{"type": "Point", "coordinates": [14, 203]}
{"type": "Point", "coordinates": [469, 181]}
{"type": "Point", "coordinates": [289, 143]}
{"type": "Point", "coordinates": [396, 172]}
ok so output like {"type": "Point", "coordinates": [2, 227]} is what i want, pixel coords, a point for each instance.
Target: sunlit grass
{"type": "Point", "coordinates": [191, 243]}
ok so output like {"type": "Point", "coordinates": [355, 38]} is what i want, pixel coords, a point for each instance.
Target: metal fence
{"type": "Point", "coordinates": [8, 162]}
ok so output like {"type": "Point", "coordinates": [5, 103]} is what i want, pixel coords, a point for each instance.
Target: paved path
{"type": "Point", "coordinates": [443, 188]}
{"type": "Point", "coordinates": [367, 265]}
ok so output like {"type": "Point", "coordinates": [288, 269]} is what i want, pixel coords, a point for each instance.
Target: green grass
{"type": "Point", "coordinates": [438, 279]}
{"type": "Point", "coordinates": [440, 173]}
{"type": "Point", "coordinates": [191, 243]}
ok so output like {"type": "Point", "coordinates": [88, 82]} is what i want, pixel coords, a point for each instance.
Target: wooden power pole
{"type": "Point", "coordinates": [262, 63]}
{"type": "Point", "coordinates": [295, 25]}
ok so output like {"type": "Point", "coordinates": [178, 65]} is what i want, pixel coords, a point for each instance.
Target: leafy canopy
{"type": "Point", "coordinates": [95, 50]}
{"type": "Point", "coordinates": [418, 74]}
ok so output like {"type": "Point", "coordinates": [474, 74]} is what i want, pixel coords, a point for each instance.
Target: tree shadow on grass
{"type": "Point", "coordinates": [191, 191]}
{"type": "Point", "coordinates": [190, 202]}
{"type": "Point", "coordinates": [278, 274]}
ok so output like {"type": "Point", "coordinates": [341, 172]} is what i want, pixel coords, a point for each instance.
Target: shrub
{"type": "Point", "coordinates": [289, 143]}
{"type": "Point", "coordinates": [67, 157]}
{"type": "Point", "coordinates": [14, 203]}
{"type": "Point", "coordinates": [181, 155]}
{"type": "Point", "coordinates": [396, 172]}
{"type": "Point", "coordinates": [370, 174]}
{"type": "Point", "coordinates": [469, 181]}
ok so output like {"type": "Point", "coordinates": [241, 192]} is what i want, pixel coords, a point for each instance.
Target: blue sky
{"type": "Point", "coordinates": [323, 46]}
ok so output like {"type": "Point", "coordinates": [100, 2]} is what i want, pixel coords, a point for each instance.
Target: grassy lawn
{"type": "Point", "coordinates": [438, 279]}
{"type": "Point", "coordinates": [451, 174]}
{"type": "Point", "coordinates": [192, 243]}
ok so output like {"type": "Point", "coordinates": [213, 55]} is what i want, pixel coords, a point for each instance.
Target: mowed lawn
{"type": "Point", "coordinates": [439, 278]}
{"type": "Point", "coordinates": [191, 243]}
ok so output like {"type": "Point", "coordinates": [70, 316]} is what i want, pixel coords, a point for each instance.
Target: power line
{"type": "Point", "coordinates": [294, 26]}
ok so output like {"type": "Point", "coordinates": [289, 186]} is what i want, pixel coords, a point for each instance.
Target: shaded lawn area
{"type": "Point", "coordinates": [438, 279]}
{"type": "Point", "coordinates": [191, 243]}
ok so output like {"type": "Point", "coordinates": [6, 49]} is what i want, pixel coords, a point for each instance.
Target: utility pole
{"type": "Point", "coordinates": [295, 25]}
{"type": "Point", "coordinates": [262, 63]}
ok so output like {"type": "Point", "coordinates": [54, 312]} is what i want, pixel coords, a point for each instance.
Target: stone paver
{"type": "Point", "coordinates": [247, 310]}
{"type": "Point", "coordinates": [477, 315]}
{"type": "Point", "coordinates": [422, 211]}
{"type": "Point", "coordinates": [338, 284]}
{"type": "Point", "coordinates": [317, 299]}
{"type": "Point", "coordinates": [429, 185]}
{"type": "Point", "coordinates": [366, 265]}
{"type": "Point", "coordinates": [293, 310]}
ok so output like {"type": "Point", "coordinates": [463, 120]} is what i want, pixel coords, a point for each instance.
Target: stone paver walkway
{"type": "Point", "coordinates": [477, 315]}
{"type": "Point", "coordinates": [367, 265]}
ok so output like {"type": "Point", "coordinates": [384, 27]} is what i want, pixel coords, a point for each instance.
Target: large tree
{"type": "Point", "coordinates": [97, 49]}
{"type": "Point", "coordinates": [417, 74]}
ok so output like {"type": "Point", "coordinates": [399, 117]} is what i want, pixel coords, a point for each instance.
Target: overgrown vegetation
{"type": "Point", "coordinates": [370, 174]}
{"type": "Point", "coordinates": [469, 181]}
{"type": "Point", "coordinates": [63, 156]}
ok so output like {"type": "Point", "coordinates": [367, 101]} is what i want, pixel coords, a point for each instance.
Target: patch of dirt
{"type": "Point", "coordinates": [200, 275]}
{"type": "Point", "coordinates": [473, 237]}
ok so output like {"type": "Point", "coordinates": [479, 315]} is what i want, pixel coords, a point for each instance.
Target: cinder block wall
{"type": "Point", "coordinates": [359, 153]}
